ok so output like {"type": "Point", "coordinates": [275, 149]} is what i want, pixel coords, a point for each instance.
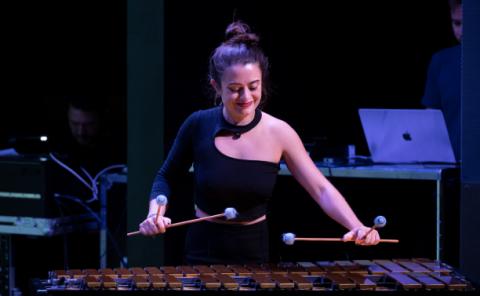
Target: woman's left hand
{"type": "Point", "coordinates": [358, 235]}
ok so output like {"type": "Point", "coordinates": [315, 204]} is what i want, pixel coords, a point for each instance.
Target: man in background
{"type": "Point", "coordinates": [84, 117]}
{"type": "Point", "coordinates": [89, 144]}
{"type": "Point", "coordinates": [442, 89]}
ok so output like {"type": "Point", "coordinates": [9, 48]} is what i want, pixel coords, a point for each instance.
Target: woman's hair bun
{"type": "Point", "coordinates": [239, 32]}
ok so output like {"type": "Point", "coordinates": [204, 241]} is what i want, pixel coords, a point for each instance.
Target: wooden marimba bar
{"type": "Point", "coordinates": [356, 275]}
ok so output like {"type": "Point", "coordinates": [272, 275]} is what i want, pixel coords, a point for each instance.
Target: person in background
{"type": "Point", "coordinates": [236, 149]}
{"type": "Point", "coordinates": [442, 90]}
{"type": "Point", "coordinates": [88, 144]}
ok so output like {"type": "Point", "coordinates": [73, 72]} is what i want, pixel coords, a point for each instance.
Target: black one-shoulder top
{"type": "Point", "coordinates": [220, 180]}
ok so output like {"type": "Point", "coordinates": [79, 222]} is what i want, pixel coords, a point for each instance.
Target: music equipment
{"type": "Point", "coordinates": [28, 203]}
{"type": "Point", "coordinates": [356, 275]}
{"type": "Point", "coordinates": [7, 277]}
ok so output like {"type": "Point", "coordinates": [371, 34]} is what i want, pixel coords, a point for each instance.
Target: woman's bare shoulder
{"type": "Point", "coordinates": [277, 126]}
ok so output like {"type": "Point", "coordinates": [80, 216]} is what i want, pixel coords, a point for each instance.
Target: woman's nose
{"type": "Point", "coordinates": [246, 94]}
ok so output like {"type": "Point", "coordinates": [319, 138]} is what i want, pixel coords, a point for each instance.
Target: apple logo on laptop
{"type": "Point", "coordinates": [406, 136]}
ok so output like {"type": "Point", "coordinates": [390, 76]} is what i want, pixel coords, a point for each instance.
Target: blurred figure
{"type": "Point", "coordinates": [89, 143]}
{"type": "Point", "coordinates": [84, 122]}
{"type": "Point", "coordinates": [86, 149]}
{"type": "Point", "coordinates": [442, 90]}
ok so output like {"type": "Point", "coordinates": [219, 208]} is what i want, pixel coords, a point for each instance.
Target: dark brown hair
{"type": "Point", "coordinates": [454, 4]}
{"type": "Point", "coordinates": [240, 47]}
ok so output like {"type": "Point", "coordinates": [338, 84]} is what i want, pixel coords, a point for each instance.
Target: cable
{"type": "Point", "coordinates": [63, 165]}
{"type": "Point", "coordinates": [93, 184]}
{"type": "Point", "coordinates": [95, 215]}
{"type": "Point", "coordinates": [99, 174]}
{"type": "Point", "coordinates": [87, 174]}
{"type": "Point", "coordinates": [115, 166]}
{"type": "Point", "coordinates": [93, 181]}
{"type": "Point", "coordinates": [94, 189]}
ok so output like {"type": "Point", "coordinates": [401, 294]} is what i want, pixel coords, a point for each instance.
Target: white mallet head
{"type": "Point", "coordinates": [161, 200]}
{"type": "Point", "coordinates": [230, 213]}
{"type": "Point", "coordinates": [288, 238]}
{"type": "Point", "coordinates": [380, 221]}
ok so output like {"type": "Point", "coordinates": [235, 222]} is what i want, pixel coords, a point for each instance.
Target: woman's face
{"type": "Point", "coordinates": [241, 90]}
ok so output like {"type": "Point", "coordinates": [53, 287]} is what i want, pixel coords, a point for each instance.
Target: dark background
{"type": "Point", "coordinates": [52, 49]}
{"type": "Point", "coordinates": [327, 60]}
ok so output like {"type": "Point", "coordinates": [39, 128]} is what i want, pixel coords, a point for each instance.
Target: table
{"type": "Point", "coordinates": [433, 172]}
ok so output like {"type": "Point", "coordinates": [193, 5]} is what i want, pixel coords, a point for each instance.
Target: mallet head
{"type": "Point", "coordinates": [230, 213]}
{"type": "Point", "coordinates": [380, 221]}
{"type": "Point", "coordinates": [288, 238]}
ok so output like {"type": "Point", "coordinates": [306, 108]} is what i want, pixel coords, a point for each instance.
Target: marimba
{"type": "Point", "coordinates": [355, 275]}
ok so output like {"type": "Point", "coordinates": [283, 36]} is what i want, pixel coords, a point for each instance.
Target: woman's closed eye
{"type": "Point", "coordinates": [235, 89]}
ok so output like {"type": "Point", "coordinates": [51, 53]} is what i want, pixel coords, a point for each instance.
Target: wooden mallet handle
{"type": "Point", "coordinates": [182, 223]}
{"type": "Point", "coordinates": [230, 213]}
{"type": "Point", "coordinates": [290, 238]}
{"type": "Point", "coordinates": [334, 239]}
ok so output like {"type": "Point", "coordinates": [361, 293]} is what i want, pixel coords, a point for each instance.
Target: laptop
{"type": "Point", "coordinates": [407, 135]}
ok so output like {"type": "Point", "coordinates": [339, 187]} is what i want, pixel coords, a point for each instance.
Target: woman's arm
{"type": "Point", "coordinates": [320, 189]}
{"type": "Point", "coordinates": [178, 160]}
{"type": "Point", "coordinates": [177, 163]}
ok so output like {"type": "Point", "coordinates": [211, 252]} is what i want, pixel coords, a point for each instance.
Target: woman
{"type": "Point", "coordinates": [236, 149]}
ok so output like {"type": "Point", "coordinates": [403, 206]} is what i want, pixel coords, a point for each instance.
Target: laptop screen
{"type": "Point", "coordinates": [406, 135]}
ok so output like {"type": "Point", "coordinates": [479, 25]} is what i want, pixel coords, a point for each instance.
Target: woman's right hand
{"type": "Point", "coordinates": [150, 227]}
